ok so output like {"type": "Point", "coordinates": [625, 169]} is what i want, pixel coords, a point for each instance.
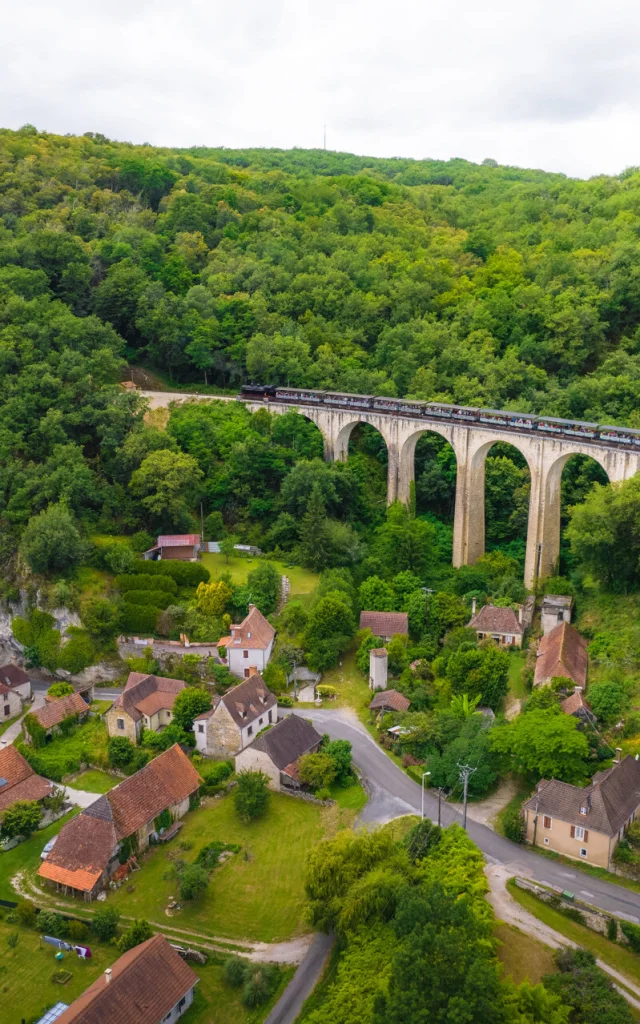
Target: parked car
{"type": "Point", "coordinates": [48, 848]}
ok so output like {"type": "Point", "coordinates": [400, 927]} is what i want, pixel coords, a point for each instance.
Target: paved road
{"type": "Point", "coordinates": [393, 793]}
{"type": "Point", "coordinates": [303, 982]}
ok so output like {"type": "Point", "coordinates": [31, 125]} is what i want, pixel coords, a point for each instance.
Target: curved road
{"type": "Point", "coordinates": [393, 793]}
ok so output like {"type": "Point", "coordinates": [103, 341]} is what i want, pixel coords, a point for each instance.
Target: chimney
{"type": "Point", "coordinates": [473, 606]}
{"type": "Point", "coordinates": [618, 757]}
{"type": "Point", "coordinates": [107, 976]}
{"type": "Point", "coordinates": [577, 689]}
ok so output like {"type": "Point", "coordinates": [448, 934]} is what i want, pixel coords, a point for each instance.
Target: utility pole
{"type": "Point", "coordinates": [465, 771]}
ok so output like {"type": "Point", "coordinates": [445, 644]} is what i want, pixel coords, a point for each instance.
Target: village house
{"type": "Point", "coordinates": [17, 680]}
{"type": "Point", "coordinates": [499, 624]}
{"type": "Point", "coordinates": [389, 700]}
{"type": "Point", "coordinates": [585, 823]}
{"type": "Point", "coordinates": [249, 645]}
{"type": "Point", "coordinates": [556, 609]}
{"type": "Point", "coordinates": [562, 652]}
{"type": "Point", "coordinates": [148, 984]}
{"type": "Point", "coordinates": [184, 547]}
{"type": "Point", "coordinates": [385, 624]}
{"type": "Point", "coordinates": [52, 714]}
{"type": "Point", "coordinates": [577, 706]}
{"type": "Point", "coordinates": [18, 781]}
{"type": "Point", "coordinates": [10, 703]}
{"type": "Point", "coordinates": [277, 751]}
{"type": "Point", "coordinates": [235, 718]}
{"type": "Point", "coordinates": [85, 854]}
{"type": "Point", "coordinates": [146, 700]}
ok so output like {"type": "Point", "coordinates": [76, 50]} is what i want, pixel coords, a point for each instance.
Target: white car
{"type": "Point", "coordinates": [48, 848]}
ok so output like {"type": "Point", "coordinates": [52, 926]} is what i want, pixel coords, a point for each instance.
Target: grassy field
{"type": "Point", "coordinates": [619, 957]}
{"type": "Point", "coordinates": [522, 956]}
{"type": "Point", "coordinates": [94, 781]}
{"type": "Point", "coordinates": [214, 1000]}
{"type": "Point", "coordinates": [26, 856]}
{"type": "Point", "coordinates": [302, 581]}
{"type": "Point", "coordinates": [352, 798]}
{"type": "Point", "coordinates": [87, 743]}
{"type": "Point", "coordinates": [257, 894]}
{"type": "Point", "coordinates": [517, 660]}
{"type": "Point", "coordinates": [351, 684]}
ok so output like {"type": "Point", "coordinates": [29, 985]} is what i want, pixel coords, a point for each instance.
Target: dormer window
{"type": "Point", "coordinates": [583, 810]}
{"type": "Point", "coordinates": [249, 635]}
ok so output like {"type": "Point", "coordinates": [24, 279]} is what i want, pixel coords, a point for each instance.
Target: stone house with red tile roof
{"type": "Point", "coordinates": [85, 854]}
{"type": "Point", "coordinates": [585, 823]}
{"type": "Point", "coordinates": [562, 652]}
{"type": "Point", "coordinates": [499, 624]}
{"type": "Point", "coordinates": [16, 679]}
{"type": "Point", "coordinates": [277, 751]}
{"type": "Point", "coordinates": [146, 700]}
{"type": "Point", "coordinates": [10, 703]}
{"type": "Point", "coordinates": [385, 624]}
{"type": "Point", "coordinates": [18, 781]}
{"type": "Point", "coordinates": [236, 718]}
{"type": "Point", "coordinates": [250, 644]}
{"type": "Point", "coordinates": [389, 700]}
{"type": "Point", "coordinates": [54, 712]}
{"type": "Point", "coordinates": [146, 985]}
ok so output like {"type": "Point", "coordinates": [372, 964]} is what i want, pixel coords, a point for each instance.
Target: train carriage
{"type": "Point", "coordinates": [302, 395]}
{"type": "Point", "coordinates": [340, 398]}
{"type": "Point", "coordinates": [554, 425]}
{"type": "Point", "coordinates": [626, 436]}
{"type": "Point", "coordinates": [518, 420]}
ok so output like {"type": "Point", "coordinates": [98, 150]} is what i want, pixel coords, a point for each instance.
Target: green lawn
{"type": "Point", "coordinates": [517, 661]}
{"type": "Point", "coordinates": [63, 755]}
{"type": "Point", "coordinates": [302, 581]}
{"type": "Point", "coordinates": [100, 706]}
{"type": "Point", "coordinates": [619, 957]}
{"type": "Point", "coordinates": [257, 894]}
{"type": "Point", "coordinates": [522, 956]}
{"type": "Point", "coordinates": [9, 721]}
{"type": "Point", "coordinates": [351, 684]}
{"type": "Point", "coordinates": [214, 1000]}
{"type": "Point", "coordinates": [352, 797]}
{"type": "Point", "coordinates": [26, 856]}
{"type": "Point", "coordinates": [94, 781]}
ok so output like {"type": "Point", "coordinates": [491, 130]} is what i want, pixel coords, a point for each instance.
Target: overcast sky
{"type": "Point", "coordinates": [552, 84]}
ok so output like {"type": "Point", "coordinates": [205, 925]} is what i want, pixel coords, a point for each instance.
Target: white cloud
{"type": "Point", "coordinates": [554, 85]}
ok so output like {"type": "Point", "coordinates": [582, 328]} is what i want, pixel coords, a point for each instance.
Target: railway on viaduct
{"type": "Point", "coordinates": [545, 455]}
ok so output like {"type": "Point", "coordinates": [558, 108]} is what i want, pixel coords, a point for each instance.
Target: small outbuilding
{"type": "Point", "coordinates": [184, 547]}
{"type": "Point", "coordinates": [556, 609]}
{"type": "Point", "coordinates": [577, 706]}
{"type": "Point", "coordinates": [277, 751]}
{"type": "Point", "coordinates": [389, 700]}
{"type": "Point", "coordinates": [51, 715]}
{"type": "Point", "coordinates": [499, 624]}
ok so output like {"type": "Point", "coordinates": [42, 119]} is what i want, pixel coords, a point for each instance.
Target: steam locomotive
{"type": "Point", "coordinates": [620, 437]}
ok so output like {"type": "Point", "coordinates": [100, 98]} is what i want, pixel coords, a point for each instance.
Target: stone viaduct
{"type": "Point", "coordinates": [546, 457]}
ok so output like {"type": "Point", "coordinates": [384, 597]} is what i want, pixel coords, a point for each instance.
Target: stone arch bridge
{"type": "Point", "coordinates": [546, 457]}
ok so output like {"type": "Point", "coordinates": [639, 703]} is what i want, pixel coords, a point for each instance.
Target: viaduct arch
{"type": "Point", "coordinates": [546, 457]}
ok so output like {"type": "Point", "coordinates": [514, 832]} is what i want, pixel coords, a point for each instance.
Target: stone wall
{"type": "Point", "coordinates": [593, 918]}
{"type": "Point", "coordinates": [223, 735]}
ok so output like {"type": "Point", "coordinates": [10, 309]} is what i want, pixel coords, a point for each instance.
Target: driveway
{"type": "Point", "coordinates": [393, 793]}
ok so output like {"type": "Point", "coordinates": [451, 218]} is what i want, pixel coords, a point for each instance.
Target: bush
{"type": "Point", "coordinates": [141, 541]}
{"type": "Point", "coordinates": [193, 881]}
{"type": "Point", "coordinates": [421, 839]}
{"type": "Point", "coordinates": [118, 557]}
{"type": "Point", "coordinates": [121, 752]}
{"type": "Point", "coordinates": [260, 982]}
{"type": "Point", "coordinates": [284, 701]}
{"type": "Point", "coordinates": [105, 923]}
{"type": "Point", "coordinates": [323, 793]}
{"type": "Point", "coordinates": [608, 700]}
{"type": "Point", "coordinates": [21, 818]}
{"type": "Point", "coordinates": [59, 690]}
{"type": "Point", "coordinates": [77, 931]}
{"type": "Point", "coordinates": [138, 932]}
{"type": "Point", "coordinates": [215, 774]}
{"type": "Point", "coordinates": [251, 796]}
{"type": "Point", "coordinates": [612, 929]}
{"type": "Point", "coordinates": [26, 913]}
{"type": "Point", "coordinates": [52, 924]}
{"type": "Point", "coordinates": [139, 618]}
{"type": "Point", "coordinates": [149, 598]}
{"type": "Point", "coordinates": [12, 940]}
{"type": "Point", "coordinates": [234, 971]}
{"type": "Point", "coordinates": [631, 932]}
{"type": "Point", "coordinates": [317, 770]}
{"type": "Point", "coordinates": [186, 574]}
{"type": "Point", "coordinates": [513, 827]}
{"type": "Point", "coordinates": [631, 724]}
{"type": "Point", "coordinates": [146, 581]}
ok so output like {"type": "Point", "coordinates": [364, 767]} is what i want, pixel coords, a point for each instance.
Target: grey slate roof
{"type": "Point", "coordinates": [611, 799]}
{"type": "Point", "coordinates": [287, 741]}
{"type": "Point", "coordinates": [248, 700]}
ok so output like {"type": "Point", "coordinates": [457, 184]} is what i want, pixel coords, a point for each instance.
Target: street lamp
{"type": "Point", "coordinates": [424, 775]}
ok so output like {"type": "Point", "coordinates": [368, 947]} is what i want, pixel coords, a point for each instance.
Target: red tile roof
{"type": "Point", "coordinates": [20, 780]}
{"type": "Point", "coordinates": [145, 694]}
{"type": "Point", "coordinates": [254, 632]}
{"type": "Point", "coordinates": [13, 675]}
{"type": "Point", "coordinates": [562, 652]}
{"type": "Point", "coordinates": [385, 624]}
{"type": "Point", "coordinates": [178, 540]}
{"type": "Point", "coordinates": [574, 703]}
{"type": "Point", "coordinates": [491, 619]}
{"type": "Point", "coordinates": [390, 699]}
{"type": "Point", "coordinates": [54, 713]}
{"type": "Point", "coordinates": [146, 983]}
{"type": "Point", "coordinates": [81, 853]}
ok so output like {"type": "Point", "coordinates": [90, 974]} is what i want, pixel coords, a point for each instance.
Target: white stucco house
{"type": "Point", "coordinates": [16, 679]}
{"type": "Point", "coordinates": [235, 719]}
{"type": "Point", "coordinates": [249, 645]}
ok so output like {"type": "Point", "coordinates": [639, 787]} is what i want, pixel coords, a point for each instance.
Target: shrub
{"type": "Point", "coordinates": [234, 971]}
{"type": "Point", "coordinates": [52, 924]}
{"type": "Point", "coordinates": [612, 929]}
{"type": "Point", "coordinates": [59, 690]}
{"type": "Point", "coordinates": [120, 751]}
{"type": "Point", "coordinates": [12, 940]}
{"type": "Point", "coordinates": [323, 793]}
{"type": "Point", "coordinates": [141, 541]}
{"type": "Point", "coordinates": [608, 700]}
{"type": "Point", "coordinates": [146, 581]}
{"type": "Point", "coordinates": [149, 598]}
{"type": "Point", "coordinates": [260, 982]}
{"type": "Point", "coordinates": [193, 882]}
{"type": "Point", "coordinates": [186, 574]}
{"type": "Point", "coordinates": [189, 703]}
{"type": "Point", "coordinates": [422, 838]}
{"type": "Point", "coordinates": [631, 932]}
{"type": "Point", "coordinates": [26, 913]}
{"type": "Point", "coordinates": [139, 618]}
{"type": "Point", "coordinates": [215, 774]}
{"type": "Point", "coordinates": [317, 770]}
{"type": "Point", "coordinates": [251, 795]}
{"type": "Point", "coordinates": [513, 827]}
{"type": "Point", "coordinates": [138, 932]}
{"type": "Point", "coordinates": [21, 818]}
{"type": "Point", "coordinates": [631, 724]}
{"type": "Point", "coordinates": [284, 701]}
{"type": "Point", "coordinates": [78, 931]}
{"type": "Point", "coordinates": [105, 923]}
{"type": "Point", "coordinates": [78, 653]}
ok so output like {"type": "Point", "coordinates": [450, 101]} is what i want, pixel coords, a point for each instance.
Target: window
{"type": "Point", "coordinates": [7, 710]}
{"type": "Point", "coordinates": [578, 833]}
{"type": "Point", "coordinates": [269, 716]}
{"type": "Point", "coordinates": [508, 639]}
{"type": "Point", "coordinates": [245, 654]}
{"type": "Point", "coordinates": [546, 821]}
{"type": "Point", "coordinates": [583, 852]}
{"type": "Point", "coordinates": [200, 727]}
{"type": "Point", "coordinates": [583, 810]}
{"type": "Point", "coordinates": [250, 730]}
{"type": "Point", "coordinates": [546, 840]}
{"type": "Point", "coordinates": [182, 1002]}
{"type": "Point", "coordinates": [121, 723]}
{"type": "Point", "coordinates": [169, 714]}
{"type": "Point", "coordinates": [246, 673]}
{"type": "Point", "coordinates": [560, 617]}
{"type": "Point", "coordinates": [261, 721]}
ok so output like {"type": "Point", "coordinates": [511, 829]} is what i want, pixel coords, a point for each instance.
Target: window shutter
{"type": "Point", "coordinates": [573, 832]}
{"type": "Point", "coordinates": [586, 835]}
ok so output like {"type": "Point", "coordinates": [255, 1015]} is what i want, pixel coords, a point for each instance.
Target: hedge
{"type": "Point", "coordinates": [54, 767]}
{"type": "Point", "coordinates": [186, 574]}
{"type": "Point", "coordinates": [155, 598]}
{"type": "Point", "coordinates": [146, 581]}
{"type": "Point", "coordinates": [137, 618]}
